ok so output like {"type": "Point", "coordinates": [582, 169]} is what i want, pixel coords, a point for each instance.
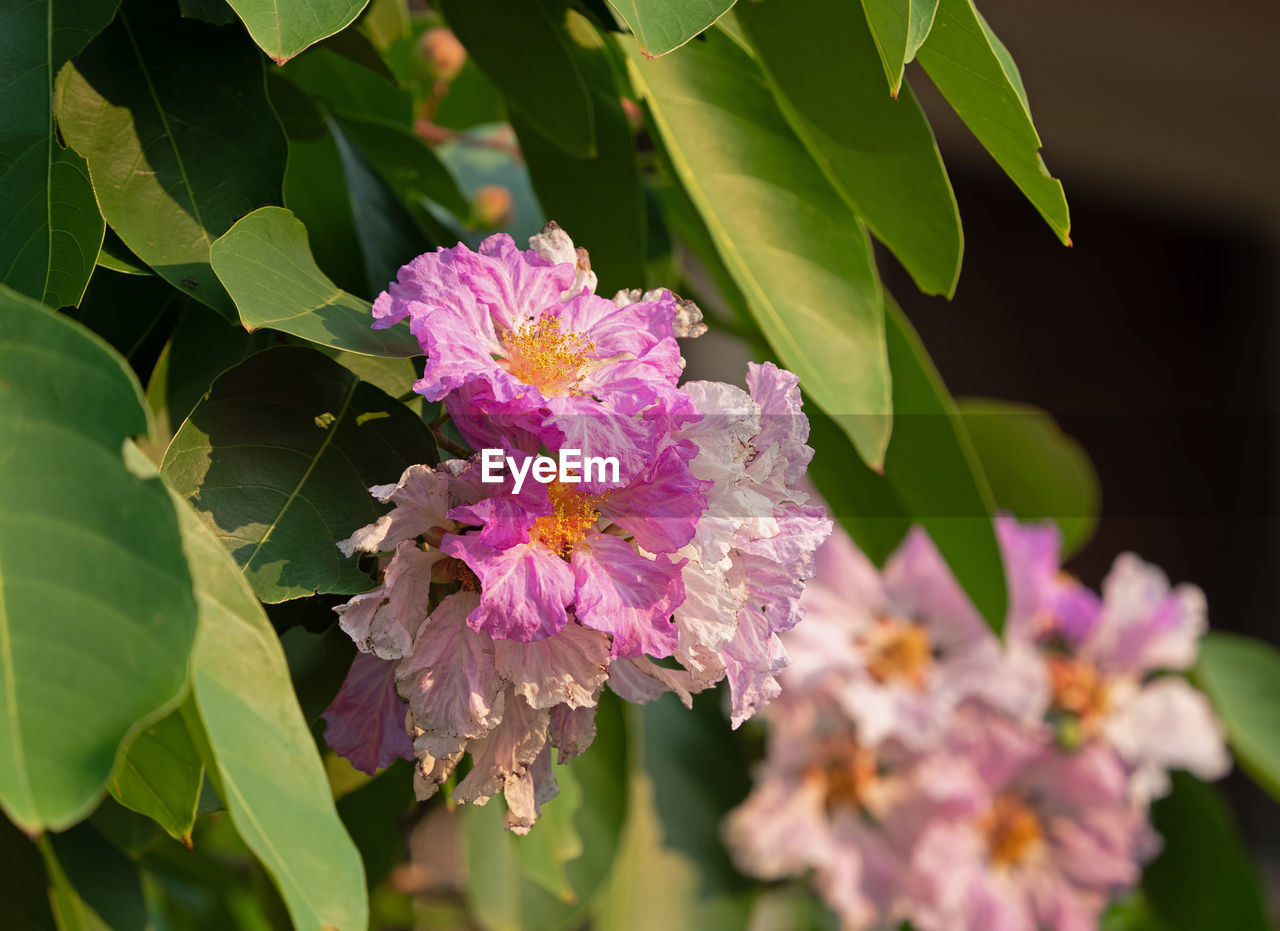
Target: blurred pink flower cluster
{"type": "Point", "coordinates": [505, 608]}
{"type": "Point", "coordinates": [918, 768]}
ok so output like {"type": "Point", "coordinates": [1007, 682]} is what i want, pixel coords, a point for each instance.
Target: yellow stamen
{"type": "Point", "coordinates": [899, 650]}
{"type": "Point", "coordinates": [1013, 831]}
{"type": "Point", "coordinates": [574, 515]}
{"type": "Point", "coordinates": [540, 353]}
{"type": "Point", "coordinates": [846, 772]}
{"type": "Point", "coordinates": [1079, 690]}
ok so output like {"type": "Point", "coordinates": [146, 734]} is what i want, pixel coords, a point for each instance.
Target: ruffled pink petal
{"type": "Point", "coordinates": [525, 590]}
{"type": "Point", "coordinates": [420, 499]}
{"type": "Point", "coordinates": [640, 681]}
{"type": "Point", "coordinates": [365, 722]}
{"type": "Point", "coordinates": [384, 620]}
{"type": "Point", "coordinates": [514, 284]}
{"type": "Point", "coordinates": [660, 509]}
{"type": "Point", "coordinates": [627, 595]}
{"type": "Point", "coordinates": [1145, 625]}
{"type": "Point", "coordinates": [566, 668]}
{"type": "Point", "coordinates": [572, 730]}
{"type": "Point", "coordinates": [450, 680]}
{"type": "Point", "coordinates": [504, 755]}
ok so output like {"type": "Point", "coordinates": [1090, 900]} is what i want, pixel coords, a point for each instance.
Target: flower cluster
{"type": "Point", "coordinates": [505, 606]}
{"type": "Point", "coordinates": [922, 770]}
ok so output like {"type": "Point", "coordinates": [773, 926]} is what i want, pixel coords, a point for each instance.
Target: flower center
{"type": "Point", "coordinates": [539, 353]}
{"type": "Point", "coordinates": [1079, 690]}
{"type": "Point", "coordinates": [899, 650]}
{"type": "Point", "coordinates": [1012, 830]}
{"type": "Point", "coordinates": [574, 515]}
{"type": "Point", "coordinates": [847, 773]}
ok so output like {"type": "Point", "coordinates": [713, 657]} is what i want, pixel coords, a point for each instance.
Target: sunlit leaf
{"type": "Point", "coordinates": [661, 26]}
{"type": "Point", "coordinates": [175, 158]}
{"type": "Point", "coordinates": [159, 775]}
{"type": "Point", "coordinates": [899, 27]}
{"type": "Point", "coordinates": [283, 28]}
{"type": "Point", "coordinates": [94, 642]}
{"type": "Point", "coordinates": [93, 886]}
{"type": "Point", "coordinates": [793, 246]}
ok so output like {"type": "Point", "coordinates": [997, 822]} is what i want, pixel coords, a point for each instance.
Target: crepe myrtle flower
{"type": "Point", "coordinates": [524, 353]}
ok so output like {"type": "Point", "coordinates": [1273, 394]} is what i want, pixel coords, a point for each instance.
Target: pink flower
{"type": "Point", "coordinates": [366, 721]}
{"type": "Point", "coordinates": [524, 353]}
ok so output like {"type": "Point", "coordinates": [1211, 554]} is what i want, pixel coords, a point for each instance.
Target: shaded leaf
{"type": "Point", "coordinates": [283, 28]}
{"type": "Point", "coordinates": [52, 228]}
{"type": "Point", "coordinates": [175, 158]}
{"type": "Point", "coordinates": [1036, 471]}
{"type": "Point", "coordinates": [116, 256]}
{"type": "Point", "coordinates": [878, 152]}
{"type": "Point", "coordinates": [1203, 877]}
{"type": "Point", "coordinates": [266, 265]}
{"type": "Point", "coordinates": [258, 749]}
{"type": "Point", "coordinates": [412, 169]}
{"type": "Point", "coordinates": [795, 249]}
{"type": "Point", "coordinates": [661, 26]}
{"type": "Point", "coordinates": [597, 200]}
{"type": "Point", "coordinates": [277, 460]}
{"type": "Point", "coordinates": [160, 774]}
{"type": "Point", "coordinates": [318, 665]}
{"type": "Point", "coordinates": [524, 49]}
{"type": "Point", "coordinates": [92, 643]}
{"type": "Point", "coordinates": [26, 904]}
{"type": "Point", "coordinates": [509, 899]}
{"type": "Point", "coordinates": [94, 887]}
{"type": "Point", "coordinates": [347, 87]}
{"type": "Point", "coordinates": [1240, 674]}
{"type": "Point", "coordinates": [976, 74]}
{"type": "Point", "coordinates": [372, 815]}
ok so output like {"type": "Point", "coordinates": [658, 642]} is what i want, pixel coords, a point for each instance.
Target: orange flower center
{"type": "Point", "coordinates": [899, 651]}
{"type": "Point", "coordinates": [1013, 831]}
{"type": "Point", "coordinates": [1079, 690]}
{"type": "Point", "coordinates": [574, 515]}
{"type": "Point", "coordinates": [847, 773]}
{"type": "Point", "coordinates": [541, 354]}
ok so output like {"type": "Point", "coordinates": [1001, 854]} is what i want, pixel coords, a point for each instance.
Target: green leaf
{"type": "Point", "coordinates": [265, 263]}
{"type": "Point", "coordinates": [160, 775]}
{"type": "Point", "coordinates": [525, 51]}
{"type": "Point", "coordinates": [1240, 675]}
{"type": "Point", "coordinates": [175, 157]}
{"type": "Point", "coordinates": [673, 871]}
{"type": "Point", "coordinates": [90, 644]}
{"type": "Point", "coordinates": [277, 459]}
{"type": "Point", "coordinates": [258, 749]}
{"type": "Point", "coordinates": [545, 853]}
{"type": "Point", "coordinates": [26, 903]}
{"type": "Point", "coordinates": [976, 74]}
{"type": "Point", "coordinates": [372, 816]}
{"type": "Point", "coordinates": [798, 253]}
{"type": "Point", "coordinates": [662, 26]}
{"type": "Point", "coordinates": [116, 256]}
{"type": "Point", "coordinates": [283, 28]}
{"type": "Point", "coordinates": [1035, 470]}
{"type": "Point", "coordinates": [52, 228]}
{"type": "Point", "coordinates": [318, 665]}
{"type": "Point", "coordinates": [347, 87]}
{"type": "Point", "coordinates": [412, 169]}
{"type": "Point", "coordinates": [509, 899]}
{"type": "Point", "coordinates": [933, 470]}
{"type": "Point", "coordinates": [1204, 877]}
{"type": "Point", "coordinates": [597, 200]}
{"type": "Point", "coordinates": [94, 887]}
{"type": "Point", "coordinates": [878, 152]}
{"type": "Point", "coordinates": [898, 27]}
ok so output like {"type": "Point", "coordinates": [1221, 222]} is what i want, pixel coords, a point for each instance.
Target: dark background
{"type": "Point", "coordinates": [1153, 339]}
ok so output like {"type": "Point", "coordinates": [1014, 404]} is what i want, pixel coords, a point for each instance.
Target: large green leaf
{"type": "Point", "coordinates": [97, 638]}
{"type": "Point", "coordinates": [1240, 676]}
{"type": "Point", "coordinates": [1035, 470]}
{"type": "Point", "coordinates": [175, 157]}
{"type": "Point", "coordinates": [372, 815]}
{"type": "Point", "coordinates": [661, 26]}
{"type": "Point", "coordinates": [283, 28]}
{"type": "Point", "coordinates": [508, 899]}
{"type": "Point", "coordinates": [277, 459]}
{"type": "Point", "coordinates": [1203, 877]}
{"type": "Point", "coordinates": [878, 152]}
{"type": "Point", "coordinates": [898, 27]}
{"type": "Point", "coordinates": [412, 168]}
{"type": "Point", "coordinates": [524, 49]}
{"type": "Point", "coordinates": [52, 228]}
{"type": "Point", "coordinates": [258, 749]}
{"type": "Point", "coordinates": [794, 247]}
{"type": "Point", "coordinates": [347, 87]}
{"type": "Point", "coordinates": [977, 75]}
{"type": "Point", "coordinates": [597, 200]}
{"type": "Point", "coordinates": [933, 470]}
{"type": "Point", "coordinates": [265, 263]}
{"type": "Point", "coordinates": [160, 775]}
